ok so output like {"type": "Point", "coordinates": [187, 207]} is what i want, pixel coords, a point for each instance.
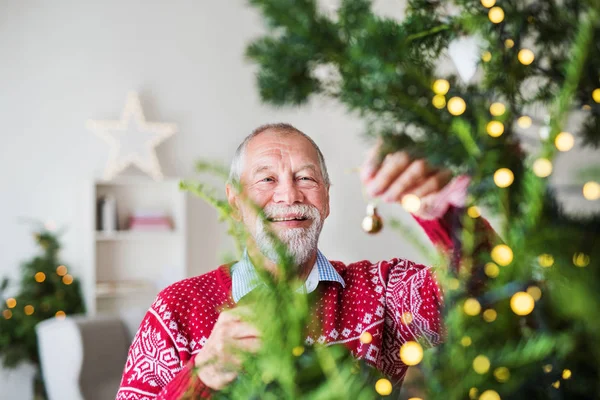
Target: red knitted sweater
{"type": "Point", "coordinates": [375, 299]}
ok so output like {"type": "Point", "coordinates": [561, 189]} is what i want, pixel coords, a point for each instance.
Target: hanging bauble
{"type": "Point", "coordinates": [372, 223]}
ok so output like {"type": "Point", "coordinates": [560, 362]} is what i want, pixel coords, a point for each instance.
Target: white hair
{"type": "Point", "coordinates": [237, 163]}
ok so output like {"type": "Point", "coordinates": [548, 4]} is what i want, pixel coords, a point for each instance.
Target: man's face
{"type": "Point", "coordinates": [281, 175]}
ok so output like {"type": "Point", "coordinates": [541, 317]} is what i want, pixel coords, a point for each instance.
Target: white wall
{"type": "Point", "coordinates": [64, 62]}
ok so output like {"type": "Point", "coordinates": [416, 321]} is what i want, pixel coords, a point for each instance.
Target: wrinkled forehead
{"type": "Point", "coordinates": [279, 146]}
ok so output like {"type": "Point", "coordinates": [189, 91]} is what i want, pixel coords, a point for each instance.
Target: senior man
{"type": "Point", "coordinates": [282, 171]}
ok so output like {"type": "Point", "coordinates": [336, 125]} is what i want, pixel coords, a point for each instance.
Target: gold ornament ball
{"type": "Point", "coordinates": [524, 122]}
{"type": "Point", "coordinates": [372, 223]}
{"type": "Point", "coordinates": [522, 303]}
{"type": "Point", "coordinates": [411, 353]}
{"type": "Point", "coordinates": [489, 395]}
{"type": "Point", "coordinates": [481, 364]}
{"type": "Point", "coordinates": [456, 106]}
{"type": "Point", "coordinates": [439, 101]}
{"type": "Point", "coordinates": [453, 284]}
{"type": "Point", "coordinates": [542, 167]}
{"type": "Point", "coordinates": [472, 307]}
{"type": "Point", "coordinates": [497, 109]}
{"type": "Point", "coordinates": [495, 128]}
{"type": "Point", "coordinates": [526, 56]}
{"type": "Point", "coordinates": [502, 255]}
{"type": "Point", "coordinates": [596, 95]}
{"type": "Point", "coordinates": [488, 3]}
{"type": "Point", "coordinates": [564, 141]}
{"type": "Point", "coordinates": [441, 86]}
{"type": "Point", "coordinates": [383, 387]}
{"type": "Point", "coordinates": [496, 15]}
{"type": "Point", "coordinates": [504, 177]}
{"type": "Point", "coordinates": [591, 190]}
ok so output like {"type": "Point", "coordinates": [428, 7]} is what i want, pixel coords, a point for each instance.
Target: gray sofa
{"type": "Point", "coordinates": [82, 357]}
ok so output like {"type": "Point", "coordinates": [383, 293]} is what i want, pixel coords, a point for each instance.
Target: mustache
{"type": "Point", "coordinates": [300, 210]}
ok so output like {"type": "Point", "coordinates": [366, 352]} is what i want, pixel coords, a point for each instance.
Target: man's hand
{"type": "Point", "coordinates": [217, 362]}
{"type": "Point", "coordinates": [398, 174]}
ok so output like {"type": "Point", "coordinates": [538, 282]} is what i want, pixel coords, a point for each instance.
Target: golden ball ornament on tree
{"type": "Point", "coordinates": [40, 277]}
{"type": "Point", "coordinates": [496, 15]}
{"type": "Point", "coordinates": [466, 341]}
{"type": "Point", "coordinates": [490, 315]}
{"type": "Point", "coordinates": [28, 309]}
{"type": "Point", "coordinates": [372, 223]}
{"type": "Point", "coordinates": [535, 292]}
{"type": "Point", "coordinates": [456, 106]}
{"type": "Point", "coordinates": [411, 353]}
{"type": "Point", "coordinates": [491, 270]}
{"type": "Point", "coordinates": [503, 177]}
{"type": "Point", "coordinates": [474, 212]}
{"type": "Point", "coordinates": [522, 303]}
{"type": "Point", "coordinates": [581, 260]}
{"type": "Point", "coordinates": [566, 374]}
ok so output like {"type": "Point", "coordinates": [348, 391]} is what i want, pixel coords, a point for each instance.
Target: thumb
{"type": "Point", "coordinates": [372, 161]}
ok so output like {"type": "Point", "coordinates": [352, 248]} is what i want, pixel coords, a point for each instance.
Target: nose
{"type": "Point", "coordinates": [288, 192]}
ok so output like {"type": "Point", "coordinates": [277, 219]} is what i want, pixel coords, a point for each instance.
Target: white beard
{"type": "Point", "coordinates": [301, 243]}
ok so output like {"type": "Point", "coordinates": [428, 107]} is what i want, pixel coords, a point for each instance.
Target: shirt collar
{"type": "Point", "coordinates": [244, 277]}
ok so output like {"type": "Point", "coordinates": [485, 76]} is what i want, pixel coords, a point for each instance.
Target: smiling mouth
{"type": "Point", "coordinates": [283, 219]}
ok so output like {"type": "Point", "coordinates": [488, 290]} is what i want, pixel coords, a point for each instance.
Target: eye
{"type": "Point", "coordinates": [305, 178]}
{"type": "Point", "coordinates": [267, 179]}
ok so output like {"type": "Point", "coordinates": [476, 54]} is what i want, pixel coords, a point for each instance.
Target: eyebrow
{"type": "Point", "coordinates": [262, 168]}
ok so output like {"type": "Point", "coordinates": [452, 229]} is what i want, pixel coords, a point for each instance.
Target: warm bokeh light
{"type": "Point", "coordinates": [524, 121]}
{"type": "Point", "coordinates": [466, 341]}
{"type": "Point", "coordinates": [556, 384]}
{"type": "Point", "coordinates": [502, 374]}
{"type": "Point", "coordinates": [489, 395]}
{"type": "Point", "coordinates": [535, 292]}
{"type": "Point", "coordinates": [383, 387]}
{"type": "Point", "coordinates": [61, 270]}
{"type": "Point", "coordinates": [7, 314]}
{"type": "Point", "coordinates": [488, 3]}
{"type": "Point", "coordinates": [591, 190]}
{"type": "Point", "coordinates": [456, 106]}
{"type": "Point", "coordinates": [453, 284]}
{"type": "Point", "coordinates": [491, 270]}
{"type": "Point", "coordinates": [581, 260]}
{"type": "Point", "coordinates": [547, 368]}
{"type": "Point", "coordinates": [503, 177]}
{"type": "Point", "coordinates": [542, 167]}
{"type": "Point", "coordinates": [11, 302]}
{"type": "Point", "coordinates": [472, 307]}
{"type": "Point", "coordinates": [474, 212]}
{"type": "Point", "coordinates": [411, 353]}
{"type": "Point", "coordinates": [411, 203]}
{"type": "Point", "coordinates": [481, 364]}
{"type": "Point", "coordinates": [490, 315]}
{"type": "Point", "coordinates": [486, 56]}
{"type": "Point", "coordinates": [495, 128]}
{"type": "Point", "coordinates": [526, 56]}
{"type": "Point", "coordinates": [502, 255]}
{"type": "Point", "coordinates": [40, 277]}
{"type": "Point", "coordinates": [522, 303]}
{"type": "Point", "coordinates": [566, 374]}
{"type": "Point", "coordinates": [441, 86]}
{"type": "Point", "coordinates": [496, 15]}
{"type": "Point", "coordinates": [28, 309]}
{"type": "Point", "coordinates": [407, 318]}
{"type": "Point", "coordinates": [60, 315]}
{"type": "Point", "coordinates": [473, 392]}
{"type": "Point", "coordinates": [497, 109]}
{"type": "Point", "coordinates": [439, 101]}
{"type": "Point", "coordinates": [298, 351]}
{"type": "Point", "coordinates": [546, 260]}
{"type": "Point", "coordinates": [366, 338]}
{"type": "Point", "coordinates": [67, 279]}
{"type": "Point", "coordinates": [596, 95]}
{"type": "Point", "coordinates": [509, 43]}
{"type": "Point", "coordinates": [564, 141]}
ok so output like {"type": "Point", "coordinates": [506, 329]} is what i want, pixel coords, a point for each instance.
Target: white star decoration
{"type": "Point", "coordinates": [132, 143]}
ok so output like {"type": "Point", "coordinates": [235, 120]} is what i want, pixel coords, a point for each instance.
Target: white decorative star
{"type": "Point", "coordinates": [132, 144]}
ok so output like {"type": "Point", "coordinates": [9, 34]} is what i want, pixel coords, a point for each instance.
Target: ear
{"type": "Point", "coordinates": [327, 202]}
{"type": "Point", "coordinates": [232, 199]}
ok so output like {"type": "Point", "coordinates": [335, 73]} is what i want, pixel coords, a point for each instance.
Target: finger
{"type": "Point", "coordinates": [240, 330]}
{"type": "Point", "coordinates": [372, 162]}
{"type": "Point", "coordinates": [393, 166]}
{"type": "Point", "coordinates": [432, 184]}
{"type": "Point", "coordinates": [251, 345]}
{"type": "Point", "coordinates": [411, 176]}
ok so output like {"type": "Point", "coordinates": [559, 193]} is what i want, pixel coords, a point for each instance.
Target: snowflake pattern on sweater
{"type": "Point", "coordinates": [375, 300]}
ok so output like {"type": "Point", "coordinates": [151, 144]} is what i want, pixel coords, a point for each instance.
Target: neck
{"type": "Point", "coordinates": [301, 272]}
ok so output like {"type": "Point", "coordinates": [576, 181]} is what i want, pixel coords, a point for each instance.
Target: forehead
{"type": "Point", "coordinates": [281, 145]}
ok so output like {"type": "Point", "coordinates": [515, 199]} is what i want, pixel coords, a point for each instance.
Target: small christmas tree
{"type": "Point", "coordinates": [46, 290]}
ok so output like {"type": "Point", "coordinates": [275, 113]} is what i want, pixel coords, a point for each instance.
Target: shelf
{"type": "Point", "coordinates": [106, 290]}
{"type": "Point", "coordinates": [135, 235]}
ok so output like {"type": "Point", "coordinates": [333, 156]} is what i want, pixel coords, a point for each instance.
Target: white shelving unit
{"type": "Point", "coordinates": [127, 268]}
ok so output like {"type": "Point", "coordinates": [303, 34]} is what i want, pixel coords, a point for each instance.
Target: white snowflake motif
{"type": "Point", "coordinates": [162, 308]}
{"type": "Point", "coordinates": [167, 315]}
{"type": "Point", "coordinates": [173, 325]}
{"type": "Point", "coordinates": [346, 332]}
{"type": "Point", "coordinates": [321, 339]}
{"type": "Point", "coordinates": [203, 341]}
{"type": "Point", "coordinates": [380, 310]}
{"type": "Point", "coordinates": [368, 317]}
{"type": "Point", "coordinates": [379, 289]}
{"type": "Point", "coordinates": [309, 341]}
{"type": "Point", "coordinates": [181, 339]}
{"type": "Point", "coordinates": [372, 353]}
{"type": "Point", "coordinates": [193, 344]}
{"type": "Point", "coordinates": [334, 334]}
{"type": "Point", "coordinates": [359, 328]}
{"type": "Point", "coordinates": [375, 280]}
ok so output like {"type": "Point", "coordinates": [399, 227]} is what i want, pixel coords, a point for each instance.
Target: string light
{"type": "Point", "coordinates": [486, 56]}
{"type": "Point", "coordinates": [547, 368]}
{"type": "Point", "coordinates": [509, 43]}
{"type": "Point", "coordinates": [383, 387]}
{"type": "Point", "coordinates": [502, 374]}
{"type": "Point", "coordinates": [366, 338]}
{"type": "Point", "coordinates": [472, 307]}
{"type": "Point", "coordinates": [488, 3]}
{"type": "Point", "coordinates": [581, 260]}
{"type": "Point", "coordinates": [296, 351]}
{"type": "Point", "coordinates": [566, 374]}
{"type": "Point", "coordinates": [545, 260]}
{"type": "Point", "coordinates": [526, 56]}
{"type": "Point", "coordinates": [503, 177]}
{"type": "Point", "coordinates": [411, 203]}
{"type": "Point", "coordinates": [439, 101]}
{"type": "Point", "coordinates": [61, 270]}
{"type": "Point", "coordinates": [495, 128]}
{"type": "Point", "coordinates": [491, 270]}
{"type": "Point", "coordinates": [441, 86]}
{"type": "Point", "coordinates": [481, 364]}
{"type": "Point", "coordinates": [40, 277]}
{"type": "Point", "coordinates": [489, 395]}
{"type": "Point", "coordinates": [407, 318]}
{"type": "Point", "coordinates": [542, 167]}
{"type": "Point", "coordinates": [11, 302]}
{"type": "Point", "coordinates": [411, 353]}
{"type": "Point", "coordinates": [490, 315]}
{"type": "Point", "coordinates": [474, 212]}
{"type": "Point", "coordinates": [591, 190]}
{"type": "Point", "coordinates": [67, 279]}
{"type": "Point", "coordinates": [502, 255]}
{"type": "Point", "coordinates": [524, 121]}
{"type": "Point", "coordinates": [456, 106]}
{"type": "Point", "coordinates": [28, 309]}
{"type": "Point", "coordinates": [564, 141]}
{"type": "Point", "coordinates": [473, 393]}
{"type": "Point", "coordinates": [466, 341]}
{"type": "Point", "coordinates": [497, 109]}
{"type": "Point", "coordinates": [522, 303]}
{"type": "Point", "coordinates": [596, 95]}
{"type": "Point", "coordinates": [7, 314]}
{"type": "Point", "coordinates": [60, 315]}
{"type": "Point", "coordinates": [535, 292]}
{"type": "Point", "coordinates": [496, 15]}
{"type": "Point", "coordinates": [556, 384]}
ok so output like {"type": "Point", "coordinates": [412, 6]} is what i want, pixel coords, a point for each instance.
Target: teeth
{"type": "Point", "coordinates": [286, 219]}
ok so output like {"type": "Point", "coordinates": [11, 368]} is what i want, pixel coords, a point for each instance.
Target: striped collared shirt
{"type": "Point", "coordinates": [244, 277]}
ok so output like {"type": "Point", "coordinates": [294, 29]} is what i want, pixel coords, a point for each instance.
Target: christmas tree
{"type": "Point", "coordinates": [519, 315]}
{"type": "Point", "coordinates": [46, 290]}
